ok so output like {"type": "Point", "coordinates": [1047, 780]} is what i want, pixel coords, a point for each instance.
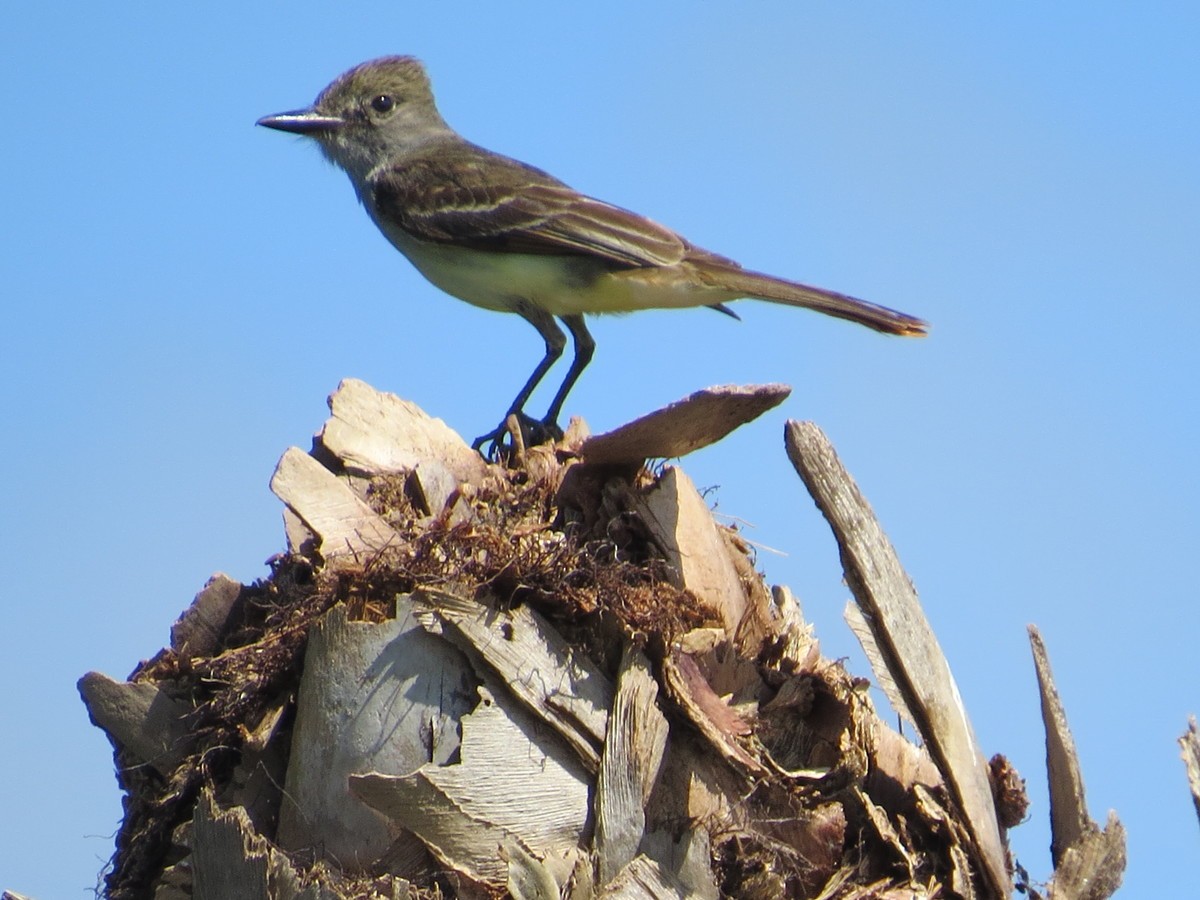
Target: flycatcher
{"type": "Point", "coordinates": [503, 235]}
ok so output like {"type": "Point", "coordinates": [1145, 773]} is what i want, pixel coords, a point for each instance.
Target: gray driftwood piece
{"type": "Point", "coordinates": [696, 421]}
{"type": "Point", "coordinates": [385, 697]}
{"type": "Point", "coordinates": [1189, 746]}
{"type": "Point", "coordinates": [682, 525]}
{"type": "Point", "coordinates": [342, 522]}
{"type": "Point", "coordinates": [905, 641]}
{"type": "Point", "coordinates": [140, 717]}
{"type": "Point", "coordinates": [564, 688]}
{"type": "Point", "coordinates": [1088, 863]}
{"type": "Point", "coordinates": [633, 755]}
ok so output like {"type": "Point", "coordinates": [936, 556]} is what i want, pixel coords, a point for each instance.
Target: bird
{"type": "Point", "coordinates": [506, 236]}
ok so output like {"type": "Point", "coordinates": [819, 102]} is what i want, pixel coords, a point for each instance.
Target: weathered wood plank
{"type": "Point", "coordinates": [905, 640]}
{"type": "Point", "coordinates": [696, 421]}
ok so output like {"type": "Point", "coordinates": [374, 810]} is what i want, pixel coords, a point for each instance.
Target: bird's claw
{"type": "Point", "coordinates": [500, 443]}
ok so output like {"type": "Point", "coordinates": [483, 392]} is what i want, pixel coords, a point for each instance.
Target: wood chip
{"type": "Point", "coordinates": [140, 717]}
{"type": "Point", "coordinates": [714, 718]}
{"type": "Point", "coordinates": [373, 432]}
{"type": "Point", "coordinates": [686, 857]}
{"type": "Point", "coordinates": [681, 524]}
{"type": "Point", "coordinates": [905, 641]}
{"type": "Point", "coordinates": [1190, 751]}
{"type": "Point", "coordinates": [198, 631]}
{"type": "Point", "coordinates": [696, 421]}
{"type": "Point", "coordinates": [1093, 867]}
{"type": "Point", "coordinates": [644, 879]}
{"type": "Point", "coordinates": [346, 527]}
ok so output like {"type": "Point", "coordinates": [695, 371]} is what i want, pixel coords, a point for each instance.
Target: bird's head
{"type": "Point", "coordinates": [369, 114]}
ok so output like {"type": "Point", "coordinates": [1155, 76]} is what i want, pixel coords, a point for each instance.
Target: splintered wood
{"type": "Point", "coordinates": [1190, 746]}
{"type": "Point", "coordinates": [559, 680]}
{"type": "Point", "coordinates": [903, 642]}
{"type": "Point", "coordinates": [1088, 862]}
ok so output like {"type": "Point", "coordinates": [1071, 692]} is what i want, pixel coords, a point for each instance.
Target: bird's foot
{"type": "Point", "coordinates": [514, 434]}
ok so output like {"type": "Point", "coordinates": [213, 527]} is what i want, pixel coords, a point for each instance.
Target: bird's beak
{"type": "Point", "coordinates": [302, 121]}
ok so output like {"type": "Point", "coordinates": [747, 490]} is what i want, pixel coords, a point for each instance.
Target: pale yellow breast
{"type": "Point", "coordinates": [557, 284]}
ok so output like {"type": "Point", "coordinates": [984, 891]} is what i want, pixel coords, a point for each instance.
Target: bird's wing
{"type": "Point", "coordinates": [474, 198]}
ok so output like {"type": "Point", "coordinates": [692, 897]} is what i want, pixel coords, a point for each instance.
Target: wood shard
{"type": "Point", "coordinates": [568, 691]}
{"type": "Point", "coordinates": [373, 432]}
{"type": "Point", "coordinates": [463, 812]}
{"type": "Point", "coordinates": [300, 540]}
{"type": "Point", "coordinates": [1089, 864]}
{"type": "Point", "coordinates": [198, 631]}
{"type": "Point", "coordinates": [231, 859]}
{"type": "Point", "coordinates": [861, 629]}
{"type": "Point", "coordinates": [714, 718]}
{"type": "Point", "coordinates": [906, 642]}
{"type": "Point", "coordinates": [686, 858]}
{"type": "Point", "coordinates": [1069, 819]}
{"type": "Point", "coordinates": [645, 879]}
{"type": "Point", "coordinates": [140, 717]}
{"type": "Point", "coordinates": [383, 697]}
{"type": "Point", "coordinates": [1093, 867]}
{"type": "Point", "coordinates": [1190, 751]}
{"type": "Point", "coordinates": [528, 877]}
{"type": "Point", "coordinates": [682, 525]}
{"type": "Point", "coordinates": [345, 525]}
{"type": "Point", "coordinates": [633, 754]}
{"type": "Point", "coordinates": [696, 421]}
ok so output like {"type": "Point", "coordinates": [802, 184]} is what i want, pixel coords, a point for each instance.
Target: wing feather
{"type": "Point", "coordinates": [473, 198]}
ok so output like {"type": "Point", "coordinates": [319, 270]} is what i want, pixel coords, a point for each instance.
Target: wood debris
{"type": "Point", "coordinates": [696, 421]}
{"type": "Point", "coordinates": [1190, 751]}
{"type": "Point", "coordinates": [903, 642]}
{"type": "Point", "coordinates": [561, 679]}
{"type": "Point", "coordinates": [1088, 862]}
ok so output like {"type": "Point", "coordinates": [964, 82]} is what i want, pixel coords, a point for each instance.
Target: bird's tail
{"type": "Point", "coordinates": [778, 290]}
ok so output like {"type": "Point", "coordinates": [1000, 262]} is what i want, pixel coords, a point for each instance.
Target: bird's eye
{"type": "Point", "coordinates": [383, 103]}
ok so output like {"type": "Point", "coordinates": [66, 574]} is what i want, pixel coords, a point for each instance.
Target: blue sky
{"type": "Point", "coordinates": [182, 290]}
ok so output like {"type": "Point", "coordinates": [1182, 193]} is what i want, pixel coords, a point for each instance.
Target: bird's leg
{"type": "Point", "coordinates": [534, 430]}
{"type": "Point", "coordinates": [585, 346]}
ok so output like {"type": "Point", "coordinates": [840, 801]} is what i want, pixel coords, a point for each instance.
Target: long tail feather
{"type": "Point", "coordinates": [791, 293]}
